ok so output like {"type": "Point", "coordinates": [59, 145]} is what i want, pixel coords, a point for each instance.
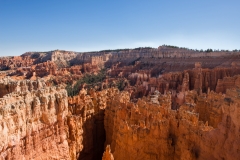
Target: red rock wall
{"type": "Point", "coordinates": [89, 108]}
{"type": "Point", "coordinates": [32, 124]}
{"type": "Point", "coordinates": [150, 131]}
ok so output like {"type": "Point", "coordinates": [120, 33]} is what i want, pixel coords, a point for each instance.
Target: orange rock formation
{"type": "Point", "coordinates": [203, 128]}
{"type": "Point", "coordinates": [107, 155]}
{"type": "Point", "coordinates": [172, 104]}
{"type": "Point", "coordinates": [32, 122]}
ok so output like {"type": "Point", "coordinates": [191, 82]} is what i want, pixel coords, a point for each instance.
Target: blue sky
{"type": "Point", "coordinates": [90, 25]}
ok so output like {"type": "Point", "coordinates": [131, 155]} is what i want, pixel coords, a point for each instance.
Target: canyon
{"type": "Point", "coordinates": [160, 103]}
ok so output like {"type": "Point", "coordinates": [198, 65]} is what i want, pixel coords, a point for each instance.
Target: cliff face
{"type": "Point", "coordinates": [147, 130]}
{"type": "Point", "coordinates": [7, 63]}
{"type": "Point", "coordinates": [194, 79]}
{"type": "Point", "coordinates": [165, 58]}
{"type": "Point", "coordinates": [87, 139]}
{"type": "Point", "coordinates": [198, 79]}
{"type": "Point", "coordinates": [32, 123]}
{"type": "Point", "coordinates": [7, 86]}
{"type": "Point", "coordinates": [40, 122]}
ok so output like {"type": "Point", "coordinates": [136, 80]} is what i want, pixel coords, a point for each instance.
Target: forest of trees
{"type": "Point", "coordinates": [89, 79]}
{"type": "Point", "coordinates": [126, 49]}
{"type": "Point", "coordinates": [201, 50]}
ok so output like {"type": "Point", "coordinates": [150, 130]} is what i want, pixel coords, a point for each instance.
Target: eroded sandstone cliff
{"type": "Point", "coordinates": [88, 108]}
{"type": "Point", "coordinates": [40, 122]}
{"type": "Point", "coordinates": [32, 123]}
{"type": "Point", "coordinates": [149, 130]}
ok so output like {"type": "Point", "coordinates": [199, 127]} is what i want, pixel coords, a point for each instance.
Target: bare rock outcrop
{"type": "Point", "coordinates": [86, 123]}
{"type": "Point", "coordinates": [32, 123]}
{"type": "Point", "coordinates": [107, 155]}
{"type": "Point", "coordinates": [7, 63]}
{"type": "Point", "coordinates": [41, 122]}
{"type": "Point", "coordinates": [147, 130]}
{"type": "Point", "coordinates": [7, 85]}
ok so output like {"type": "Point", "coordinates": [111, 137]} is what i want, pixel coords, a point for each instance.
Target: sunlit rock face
{"type": "Point", "coordinates": [146, 130]}
{"type": "Point", "coordinates": [32, 122]}
{"type": "Point", "coordinates": [40, 122]}
{"type": "Point", "coordinates": [143, 83]}
{"type": "Point", "coordinates": [107, 155]}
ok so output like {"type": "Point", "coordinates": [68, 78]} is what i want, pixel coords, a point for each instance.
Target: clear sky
{"type": "Point", "coordinates": [90, 25]}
